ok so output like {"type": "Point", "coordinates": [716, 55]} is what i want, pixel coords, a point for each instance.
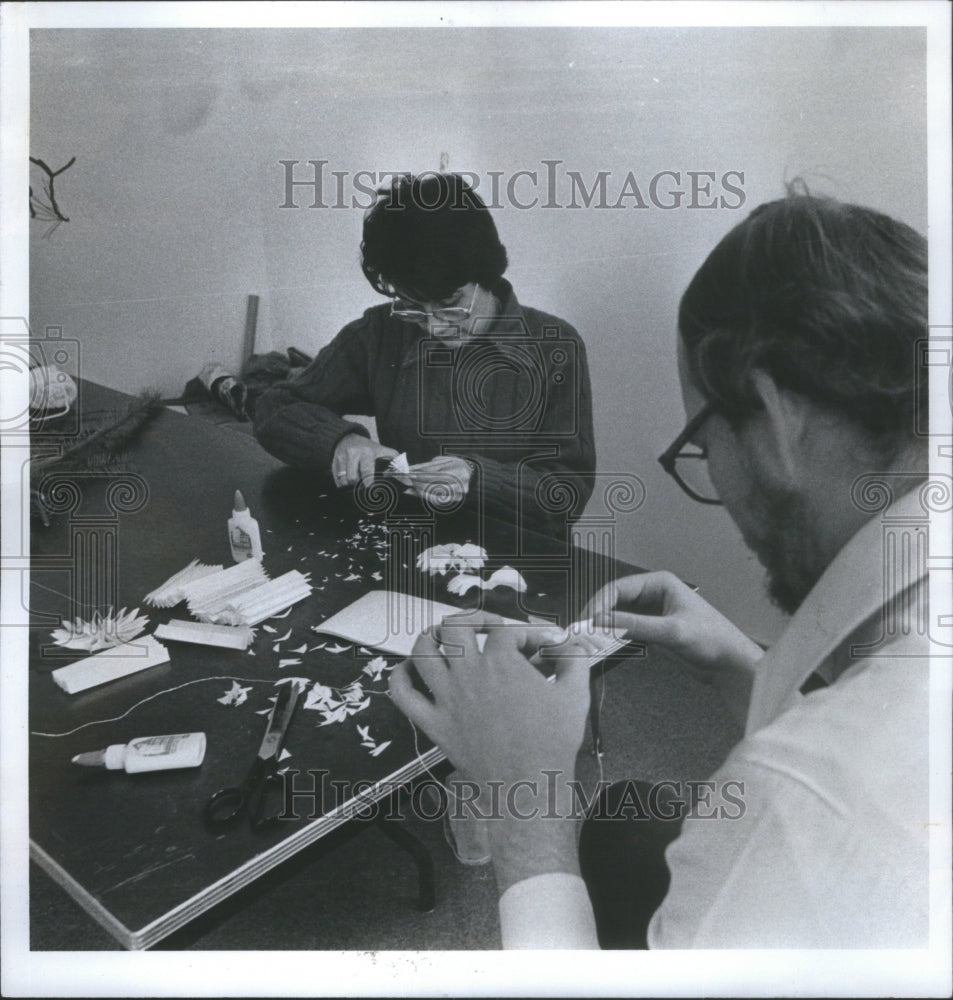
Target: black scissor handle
{"type": "Point", "coordinates": [225, 805]}
{"type": "Point", "coordinates": [258, 805]}
{"type": "Point", "coordinates": [252, 796]}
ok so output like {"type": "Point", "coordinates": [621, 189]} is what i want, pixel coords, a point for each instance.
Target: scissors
{"type": "Point", "coordinates": [252, 794]}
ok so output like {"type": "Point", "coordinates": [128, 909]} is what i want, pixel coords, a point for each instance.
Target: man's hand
{"type": "Point", "coordinates": [354, 459]}
{"type": "Point", "coordinates": [443, 481]}
{"type": "Point", "coordinates": [502, 723]}
{"type": "Point", "coordinates": [670, 614]}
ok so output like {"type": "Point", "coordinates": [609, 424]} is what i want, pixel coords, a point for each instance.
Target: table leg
{"type": "Point", "coordinates": [426, 891]}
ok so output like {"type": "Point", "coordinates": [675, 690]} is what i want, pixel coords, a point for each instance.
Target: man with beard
{"type": "Point", "coordinates": [798, 361]}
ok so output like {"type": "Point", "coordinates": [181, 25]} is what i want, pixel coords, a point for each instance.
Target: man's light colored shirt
{"type": "Point", "coordinates": [832, 848]}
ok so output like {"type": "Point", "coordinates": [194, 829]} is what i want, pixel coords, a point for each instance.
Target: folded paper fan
{"type": "Point", "coordinates": [101, 631]}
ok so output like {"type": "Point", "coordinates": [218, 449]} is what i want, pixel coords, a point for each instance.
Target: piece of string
{"type": "Point", "coordinates": [447, 835]}
{"type": "Point", "coordinates": [178, 687]}
{"type": "Point", "coordinates": [197, 680]}
{"type": "Point", "coordinates": [602, 698]}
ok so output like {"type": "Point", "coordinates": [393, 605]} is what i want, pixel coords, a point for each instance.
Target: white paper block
{"type": "Point", "coordinates": [111, 664]}
{"type": "Point", "coordinates": [205, 634]}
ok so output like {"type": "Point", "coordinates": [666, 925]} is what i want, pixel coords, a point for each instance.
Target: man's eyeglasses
{"type": "Point", "coordinates": [417, 312]}
{"type": "Point", "coordinates": [685, 462]}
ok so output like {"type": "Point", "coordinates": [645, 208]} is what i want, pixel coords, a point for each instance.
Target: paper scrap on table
{"type": "Point", "coordinates": [373, 747]}
{"type": "Point", "coordinates": [111, 664]}
{"type": "Point", "coordinates": [375, 668]}
{"type": "Point", "coordinates": [235, 695]}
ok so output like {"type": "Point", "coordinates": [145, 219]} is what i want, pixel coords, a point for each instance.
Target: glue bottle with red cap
{"type": "Point", "coordinates": [243, 534]}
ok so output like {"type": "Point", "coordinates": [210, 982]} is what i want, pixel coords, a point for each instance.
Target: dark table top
{"type": "Point", "coordinates": [133, 848]}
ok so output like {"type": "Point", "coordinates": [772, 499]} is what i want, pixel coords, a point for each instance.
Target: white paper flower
{"type": "Point", "coordinates": [436, 559]}
{"type": "Point", "coordinates": [101, 631]}
{"type": "Point", "coordinates": [506, 576]}
{"type": "Point", "coordinates": [463, 583]}
{"type": "Point", "coordinates": [441, 558]}
{"type": "Point", "coordinates": [468, 557]}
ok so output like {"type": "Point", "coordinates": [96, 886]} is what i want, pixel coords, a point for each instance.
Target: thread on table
{"type": "Point", "coordinates": [178, 687]}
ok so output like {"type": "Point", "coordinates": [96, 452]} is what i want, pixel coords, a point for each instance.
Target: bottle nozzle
{"type": "Point", "coordinates": [94, 758]}
{"type": "Point", "coordinates": [239, 501]}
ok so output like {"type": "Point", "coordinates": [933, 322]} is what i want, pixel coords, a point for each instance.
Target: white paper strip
{"type": "Point", "coordinates": [205, 634]}
{"type": "Point", "coordinates": [111, 664]}
{"type": "Point", "coordinates": [224, 581]}
{"type": "Point", "coordinates": [170, 593]}
{"type": "Point", "coordinates": [272, 597]}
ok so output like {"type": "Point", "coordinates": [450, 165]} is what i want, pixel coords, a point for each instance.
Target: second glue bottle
{"type": "Point", "coordinates": [243, 534]}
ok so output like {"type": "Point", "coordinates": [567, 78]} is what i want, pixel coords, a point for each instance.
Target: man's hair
{"type": "Point", "coordinates": [429, 235]}
{"type": "Point", "coordinates": [830, 299]}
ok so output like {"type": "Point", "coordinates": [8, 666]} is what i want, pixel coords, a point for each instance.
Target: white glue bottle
{"type": "Point", "coordinates": [148, 753]}
{"type": "Point", "coordinates": [243, 534]}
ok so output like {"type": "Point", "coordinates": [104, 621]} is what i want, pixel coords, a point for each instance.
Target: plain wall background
{"type": "Point", "coordinates": [174, 218]}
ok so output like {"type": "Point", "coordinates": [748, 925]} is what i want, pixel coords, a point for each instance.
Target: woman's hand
{"type": "Point", "coordinates": [354, 459]}
{"type": "Point", "coordinates": [443, 481]}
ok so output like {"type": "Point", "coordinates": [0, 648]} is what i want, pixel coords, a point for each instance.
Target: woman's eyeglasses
{"type": "Point", "coordinates": [686, 462]}
{"type": "Point", "coordinates": [419, 312]}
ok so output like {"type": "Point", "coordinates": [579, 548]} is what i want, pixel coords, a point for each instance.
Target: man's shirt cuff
{"type": "Point", "coordinates": [548, 911]}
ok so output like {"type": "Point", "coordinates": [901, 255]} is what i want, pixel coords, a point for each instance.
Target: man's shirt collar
{"type": "Point", "coordinates": [853, 588]}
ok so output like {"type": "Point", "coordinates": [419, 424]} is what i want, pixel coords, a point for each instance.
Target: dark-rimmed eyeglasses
{"type": "Point", "coordinates": [682, 460]}
{"type": "Point", "coordinates": [419, 312]}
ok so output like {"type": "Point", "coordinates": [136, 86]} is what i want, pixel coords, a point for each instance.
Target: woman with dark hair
{"type": "Point", "coordinates": [488, 399]}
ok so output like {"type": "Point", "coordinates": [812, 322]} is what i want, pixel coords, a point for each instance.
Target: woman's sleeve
{"type": "Point", "coordinates": [301, 420]}
{"type": "Point", "coordinates": [554, 484]}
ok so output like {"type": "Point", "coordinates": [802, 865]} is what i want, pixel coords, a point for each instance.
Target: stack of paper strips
{"type": "Point", "coordinates": [171, 592]}
{"type": "Point", "coordinates": [111, 664]}
{"type": "Point", "coordinates": [265, 600]}
{"type": "Point", "coordinates": [204, 634]}
{"type": "Point", "coordinates": [210, 595]}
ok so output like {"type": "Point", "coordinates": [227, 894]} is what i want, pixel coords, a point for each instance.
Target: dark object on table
{"type": "Point", "coordinates": [252, 795]}
{"type": "Point", "coordinates": [261, 371]}
{"type": "Point", "coordinates": [100, 445]}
